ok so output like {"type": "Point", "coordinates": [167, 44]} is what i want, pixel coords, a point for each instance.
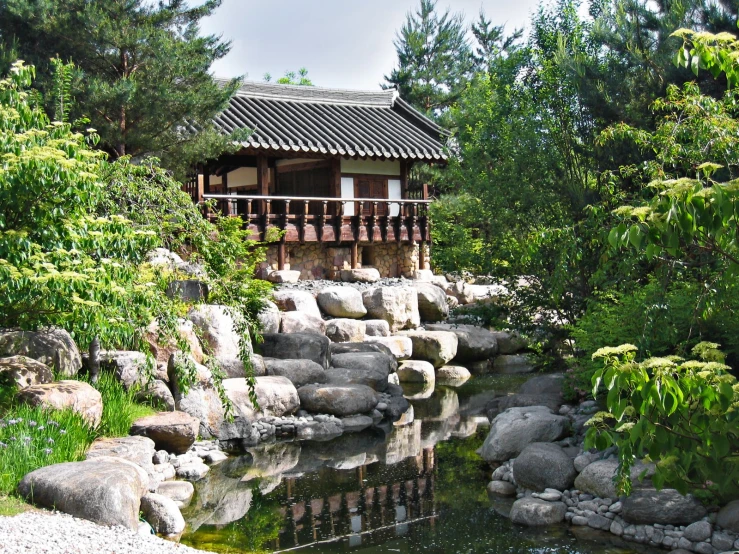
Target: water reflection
{"type": "Point", "coordinates": [399, 488]}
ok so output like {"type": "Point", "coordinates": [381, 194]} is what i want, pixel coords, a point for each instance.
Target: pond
{"type": "Point", "coordinates": [418, 487]}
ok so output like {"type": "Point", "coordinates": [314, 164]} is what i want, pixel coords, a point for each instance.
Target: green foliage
{"type": "Point", "coordinates": [33, 437]}
{"type": "Point", "coordinates": [143, 71]}
{"type": "Point", "coordinates": [120, 407]}
{"type": "Point", "coordinates": [292, 78]}
{"type": "Point", "coordinates": [680, 414]}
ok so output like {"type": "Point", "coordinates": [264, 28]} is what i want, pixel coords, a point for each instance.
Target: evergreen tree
{"type": "Point", "coordinates": [143, 70]}
{"type": "Point", "coordinates": [435, 60]}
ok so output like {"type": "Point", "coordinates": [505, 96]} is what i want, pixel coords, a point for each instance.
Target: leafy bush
{"type": "Point", "coordinates": [680, 414]}
{"type": "Point", "coordinates": [33, 437]}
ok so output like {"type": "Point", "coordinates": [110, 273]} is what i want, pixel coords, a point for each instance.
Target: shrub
{"type": "Point", "coordinates": [682, 415]}
{"type": "Point", "coordinates": [33, 437]}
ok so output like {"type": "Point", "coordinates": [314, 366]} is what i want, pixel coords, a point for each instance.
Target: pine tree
{"type": "Point", "coordinates": [435, 59]}
{"type": "Point", "coordinates": [143, 70]}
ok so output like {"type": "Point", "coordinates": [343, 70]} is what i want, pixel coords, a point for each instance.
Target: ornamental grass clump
{"type": "Point", "coordinates": [120, 407]}
{"type": "Point", "coordinates": [34, 437]}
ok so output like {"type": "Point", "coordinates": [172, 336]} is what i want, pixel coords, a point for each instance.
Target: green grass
{"type": "Point", "coordinates": [120, 408]}
{"type": "Point", "coordinates": [33, 437]}
{"type": "Point", "coordinates": [12, 505]}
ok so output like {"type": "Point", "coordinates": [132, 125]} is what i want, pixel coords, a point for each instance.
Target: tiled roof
{"type": "Point", "coordinates": [366, 124]}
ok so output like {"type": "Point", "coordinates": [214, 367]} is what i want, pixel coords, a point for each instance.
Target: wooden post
{"type": "Point", "coordinates": [281, 256]}
{"type": "Point", "coordinates": [335, 178]}
{"type": "Point", "coordinates": [262, 178]}
{"type": "Point", "coordinates": [355, 254]}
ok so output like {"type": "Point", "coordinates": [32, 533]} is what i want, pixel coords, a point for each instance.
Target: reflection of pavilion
{"type": "Point", "coordinates": [380, 504]}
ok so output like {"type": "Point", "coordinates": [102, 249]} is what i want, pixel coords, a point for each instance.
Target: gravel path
{"type": "Point", "coordinates": [57, 533]}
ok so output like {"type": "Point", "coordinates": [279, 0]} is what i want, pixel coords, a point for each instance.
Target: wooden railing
{"type": "Point", "coordinates": [322, 219]}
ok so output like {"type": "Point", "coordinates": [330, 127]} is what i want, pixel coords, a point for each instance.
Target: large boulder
{"type": "Point", "coordinates": [162, 348]}
{"type": "Point", "coordinates": [502, 403]}
{"type": "Point", "coordinates": [396, 305]}
{"type": "Point", "coordinates": [666, 507]}
{"type": "Point", "coordinates": [343, 302]}
{"type": "Point", "coordinates": [171, 431]}
{"type": "Point", "coordinates": [297, 346]}
{"type": "Point", "coordinates": [416, 371]}
{"type": "Point", "coordinates": [131, 368]}
{"type": "Point", "coordinates": [302, 322]}
{"type": "Point", "coordinates": [377, 328]}
{"type": "Point", "coordinates": [512, 363]}
{"type": "Point", "coordinates": [345, 330]}
{"type": "Point", "coordinates": [437, 347]}
{"type": "Point", "coordinates": [452, 375]}
{"type": "Point", "coordinates": [544, 385]}
{"type": "Point", "coordinates": [269, 317]}
{"type": "Point", "coordinates": [362, 347]}
{"type": "Point", "coordinates": [375, 378]}
{"type": "Point", "coordinates": [203, 403]}
{"type": "Point", "coordinates": [158, 393]}
{"type": "Point", "coordinates": [163, 514]}
{"type": "Point", "coordinates": [432, 305]}
{"type": "Point", "coordinates": [299, 372]}
{"type": "Point", "coordinates": [728, 517]}
{"type": "Point", "coordinates": [276, 396]}
{"type": "Point", "coordinates": [535, 512]}
{"type": "Point", "coordinates": [181, 492]}
{"type": "Point", "coordinates": [53, 347]}
{"type": "Point", "coordinates": [291, 300]}
{"type": "Point", "coordinates": [138, 450]}
{"type": "Point", "coordinates": [401, 347]}
{"type": "Point", "coordinates": [360, 275]}
{"type": "Point", "coordinates": [61, 395]}
{"type": "Point", "coordinates": [104, 490]}
{"type": "Point", "coordinates": [366, 368]}
{"type": "Point", "coordinates": [473, 343]}
{"type": "Point", "coordinates": [218, 329]}
{"type": "Point", "coordinates": [339, 400]}
{"type": "Point", "coordinates": [21, 372]}
{"type": "Point", "coordinates": [544, 465]}
{"type": "Point", "coordinates": [284, 276]}
{"type": "Point", "coordinates": [510, 342]}
{"type": "Point", "coordinates": [598, 478]}
{"type": "Point", "coordinates": [516, 428]}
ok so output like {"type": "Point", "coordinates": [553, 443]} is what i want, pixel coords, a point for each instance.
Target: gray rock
{"type": "Point", "coordinates": [364, 347]}
{"type": "Point", "coordinates": [582, 461]}
{"type": "Point", "coordinates": [473, 343]}
{"type": "Point", "coordinates": [544, 465]}
{"type": "Point", "coordinates": [297, 346]}
{"type": "Point", "coordinates": [299, 372]}
{"type": "Point", "coordinates": [339, 400]}
{"type": "Point", "coordinates": [203, 403]}
{"type": "Point", "coordinates": [356, 423]}
{"type": "Point", "coordinates": [437, 347]}
{"type": "Point", "coordinates": [516, 428]}
{"type": "Point", "coordinates": [291, 300]}
{"type": "Point", "coordinates": [432, 305]}
{"type": "Point", "coordinates": [269, 317]}
{"type": "Point", "coordinates": [616, 528]}
{"type": "Point", "coordinates": [377, 328]}
{"type": "Point", "coordinates": [158, 392]}
{"type": "Point", "coordinates": [53, 347]}
{"type": "Point", "coordinates": [396, 305]}
{"type": "Point", "coordinates": [698, 531]}
{"type": "Point", "coordinates": [276, 396]}
{"type": "Point", "coordinates": [416, 371]}
{"type": "Point", "coordinates": [193, 471]}
{"type": "Point", "coordinates": [512, 363]}
{"type": "Point", "coordinates": [373, 366]}
{"type": "Point", "coordinates": [400, 347]}
{"type": "Point", "coordinates": [534, 512]}
{"type": "Point", "coordinates": [60, 395]}
{"type": "Point", "coordinates": [341, 302]}
{"type": "Point", "coordinates": [345, 330]}
{"type": "Point", "coordinates": [722, 541]}
{"type": "Point", "coordinates": [131, 368]}
{"type": "Point", "coordinates": [217, 328]}
{"type": "Point", "coordinates": [510, 342]}
{"type": "Point", "coordinates": [452, 375]}
{"type": "Point", "coordinates": [598, 478]}
{"type": "Point", "coordinates": [283, 276]}
{"type": "Point", "coordinates": [181, 492]}
{"type": "Point", "coordinates": [163, 514]}
{"type": "Point", "coordinates": [374, 377]}
{"type": "Point", "coordinates": [666, 507]}
{"type": "Point", "coordinates": [22, 372]}
{"type": "Point", "coordinates": [360, 275]}
{"type": "Point", "coordinates": [188, 290]}
{"type": "Point", "coordinates": [502, 403]}
{"type": "Point", "coordinates": [728, 517]}
{"type": "Point", "coordinates": [320, 430]}
{"type": "Point", "coordinates": [597, 521]}
{"type": "Point", "coordinates": [703, 548]}
{"type": "Point", "coordinates": [302, 322]}
{"type": "Point", "coordinates": [138, 450]}
{"type": "Point", "coordinates": [501, 488]}
{"type": "Point", "coordinates": [171, 431]}
{"type": "Point", "coordinates": [103, 490]}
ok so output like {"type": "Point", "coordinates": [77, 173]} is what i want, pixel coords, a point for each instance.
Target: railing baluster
{"type": "Point", "coordinates": [322, 220]}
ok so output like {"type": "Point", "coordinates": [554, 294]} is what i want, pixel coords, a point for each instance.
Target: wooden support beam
{"type": "Point", "coordinates": [355, 254]}
{"type": "Point", "coordinates": [262, 178]}
{"type": "Point", "coordinates": [281, 248]}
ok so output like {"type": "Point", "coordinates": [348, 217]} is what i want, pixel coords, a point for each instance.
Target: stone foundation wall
{"type": "Point", "coordinates": [318, 261]}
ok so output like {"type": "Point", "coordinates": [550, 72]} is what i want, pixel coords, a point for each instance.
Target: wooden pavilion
{"type": "Point", "coordinates": [330, 168]}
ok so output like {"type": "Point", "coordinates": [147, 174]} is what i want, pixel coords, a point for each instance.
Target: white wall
{"type": "Point", "coordinates": [371, 167]}
{"type": "Point", "coordinates": [393, 193]}
{"type": "Point", "coordinates": [347, 191]}
{"type": "Point", "coordinates": [242, 177]}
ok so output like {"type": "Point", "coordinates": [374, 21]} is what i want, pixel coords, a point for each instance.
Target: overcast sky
{"type": "Point", "coordinates": [342, 43]}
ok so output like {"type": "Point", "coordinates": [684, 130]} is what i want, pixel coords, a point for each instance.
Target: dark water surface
{"type": "Point", "coordinates": [410, 489]}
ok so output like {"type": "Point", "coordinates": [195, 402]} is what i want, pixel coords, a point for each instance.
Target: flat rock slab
{"type": "Point", "coordinates": [436, 347]}
{"type": "Point", "coordinates": [374, 362]}
{"type": "Point", "coordinates": [360, 275]}
{"type": "Point", "coordinates": [343, 302]}
{"type": "Point", "coordinates": [104, 490]}
{"type": "Point", "coordinates": [363, 347]}
{"type": "Point", "coordinates": [174, 432]}
{"type": "Point", "coordinates": [297, 346]}
{"type": "Point", "coordinates": [339, 400]}
{"type": "Point", "coordinates": [299, 372]}
{"type": "Point", "coordinates": [535, 512]}
{"type": "Point", "coordinates": [53, 347]}
{"type": "Point", "coordinates": [60, 395]}
{"type": "Point", "coordinates": [24, 372]}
